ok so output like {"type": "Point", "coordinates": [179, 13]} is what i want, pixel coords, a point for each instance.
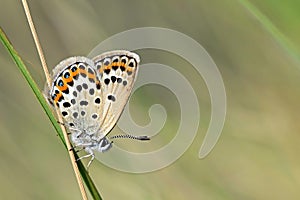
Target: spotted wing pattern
{"type": "Point", "coordinates": [117, 72]}
{"type": "Point", "coordinates": [91, 95]}
{"type": "Point", "coordinates": [76, 91]}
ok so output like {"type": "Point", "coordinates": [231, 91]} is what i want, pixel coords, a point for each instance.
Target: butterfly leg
{"type": "Point", "coordinates": [90, 162]}
{"type": "Point", "coordinates": [90, 154]}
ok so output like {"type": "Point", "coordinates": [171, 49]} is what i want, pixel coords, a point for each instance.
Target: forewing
{"type": "Point", "coordinates": [117, 72]}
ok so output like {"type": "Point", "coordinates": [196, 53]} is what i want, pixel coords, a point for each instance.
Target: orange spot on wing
{"type": "Point", "coordinates": [57, 97]}
{"type": "Point", "coordinates": [83, 71]}
{"type": "Point", "coordinates": [108, 66]}
{"type": "Point", "coordinates": [74, 73]}
{"type": "Point", "coordinates": [129, 69]}
{"type": "Point", "coordinates": [64, 87]}
{"type": "Point", "coordinates": [92, 76]}
{"type": "Point", "coordinates": [119, 64]}
{"type": "Point", "coordinates": [101, 69]}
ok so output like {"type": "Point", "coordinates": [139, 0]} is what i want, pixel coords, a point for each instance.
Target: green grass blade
{"type": "Point", "coordinates": [20, 64]}
{"type": "Point", "coordinates": [31, 82]}
{"type": "Point", "coordinates": [88, 181]}
{"type": "Point", "coordinates": [282, 40]}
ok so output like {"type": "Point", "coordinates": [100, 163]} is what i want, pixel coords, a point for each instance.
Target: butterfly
{"type": "Point", "coordinates": [90, 95]}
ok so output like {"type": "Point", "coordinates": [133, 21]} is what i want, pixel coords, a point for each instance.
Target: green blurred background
{"type": "Point", "coordinates": [255, 44]}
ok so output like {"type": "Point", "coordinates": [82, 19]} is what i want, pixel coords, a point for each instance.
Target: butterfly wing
{"type": "Point", "coordinates": [117, 72]}
{"type": "Point", "coordinates": [76, 92]}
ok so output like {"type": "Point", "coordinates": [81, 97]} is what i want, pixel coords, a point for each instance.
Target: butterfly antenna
{"type": "Point", "coordinates": [142, 137]}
